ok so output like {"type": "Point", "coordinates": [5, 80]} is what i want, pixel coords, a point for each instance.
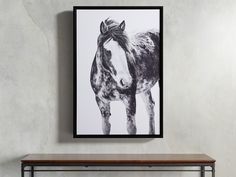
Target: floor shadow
{"type": "Point", "coordinates": [65, 86]}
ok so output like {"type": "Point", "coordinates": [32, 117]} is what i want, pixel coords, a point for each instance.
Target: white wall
{"type": "Point", "coordinates": [36, 83]}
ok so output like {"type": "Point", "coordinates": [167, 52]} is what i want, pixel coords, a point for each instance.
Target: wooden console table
{"type": "Point", "coordinates": [118, 162]}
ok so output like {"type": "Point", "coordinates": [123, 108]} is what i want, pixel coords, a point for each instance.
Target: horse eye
{"type": "Point", "coordinates": [109, 54]}
{"type": "Point", "coordinates": [106, 66]}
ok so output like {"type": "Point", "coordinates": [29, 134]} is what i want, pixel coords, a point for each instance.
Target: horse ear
{"type": "Point", "coordinates": [103, 28]}
{"type": "Point", "coordinates": [122, 25]}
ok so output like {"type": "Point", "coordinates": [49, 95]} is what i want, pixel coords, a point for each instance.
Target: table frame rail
{"type": "Point", "coordinates": [203, 168]}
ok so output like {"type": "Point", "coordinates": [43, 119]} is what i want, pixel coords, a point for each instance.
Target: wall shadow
{"type": "Point", "coordinates": [65, 86]}
{"type": "Point", "coordinates": [10, 165]}
{"type": "Point", "coordinates": [65, 75]}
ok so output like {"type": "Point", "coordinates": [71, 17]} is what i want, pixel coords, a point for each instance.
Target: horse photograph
{"type": "Point", "coordinates": [118, 75]}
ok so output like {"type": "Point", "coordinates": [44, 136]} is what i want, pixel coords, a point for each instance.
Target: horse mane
{"type": "Point", "coordinates": [117, 34]}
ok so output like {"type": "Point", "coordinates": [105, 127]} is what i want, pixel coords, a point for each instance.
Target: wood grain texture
{"type": "Point", "coordinates": [106, 159]}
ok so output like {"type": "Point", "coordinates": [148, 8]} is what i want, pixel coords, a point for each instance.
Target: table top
{"type": "Point", "coordinates": [106, 159]}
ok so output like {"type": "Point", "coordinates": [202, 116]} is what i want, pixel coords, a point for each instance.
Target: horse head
{"type": "Point", "coordinates": [113, 44]}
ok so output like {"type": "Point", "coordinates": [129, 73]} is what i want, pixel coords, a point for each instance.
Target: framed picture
{"type": "Point", "coordinates": [118, 72]}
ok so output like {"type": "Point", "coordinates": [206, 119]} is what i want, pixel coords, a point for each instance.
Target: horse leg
{"type": "Point", "coordinates": [130, 104]}
{"type": "Point", "coordinates": [104, 107]}
{"type": "Point", "coordinates": [147, 98]}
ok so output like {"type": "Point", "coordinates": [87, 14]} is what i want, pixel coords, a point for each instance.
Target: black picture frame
{"type": "Point", "coordinates": [75, 52]}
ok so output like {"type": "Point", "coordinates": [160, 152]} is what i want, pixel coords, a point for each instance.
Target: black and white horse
{"type": "Point", "coordinates": [122, 68]}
